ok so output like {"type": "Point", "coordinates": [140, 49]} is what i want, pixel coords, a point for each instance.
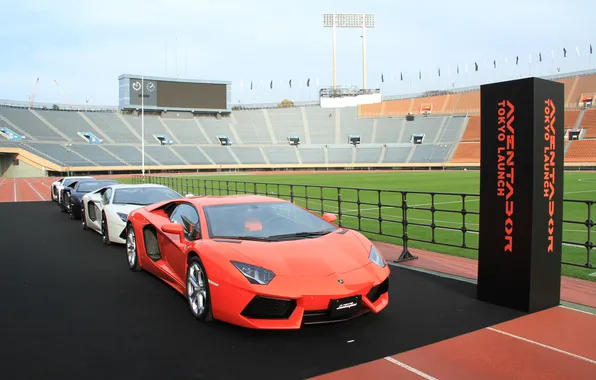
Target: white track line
{"type": "Point", "coordinates": [543, 345]}
{"type": "Point", "coordinates": [579, 192]}
{"type": "Point", "coordinates": [14, 182]}
{"type": "Point", "coordinates": [36, 192]}
{"type": "Point", "coordinates": [411, 369]}
{"type": "Point", "coordinates": [41, 183]}
{"type": "Point", "coordinates": [578, 310]}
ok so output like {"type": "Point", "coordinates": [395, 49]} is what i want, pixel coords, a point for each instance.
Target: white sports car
{"type": "Point", "coordinates": [106, 210]}
{"type": "Point", "coordinates": [57, 186]}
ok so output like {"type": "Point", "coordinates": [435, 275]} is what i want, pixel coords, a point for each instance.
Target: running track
{"type": "Point", "coordinates": [25, 189]}
{"type": "Point", "coordinates": [553, 344]}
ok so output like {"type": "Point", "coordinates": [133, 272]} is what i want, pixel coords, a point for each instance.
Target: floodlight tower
{"type": "Point", "coordinates": [349, 20]}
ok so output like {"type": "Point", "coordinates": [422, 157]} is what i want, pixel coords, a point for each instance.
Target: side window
{"type": "Point", "coordinates": [187, 216]}
{"type": "Point", "coordinates": [105, 197]}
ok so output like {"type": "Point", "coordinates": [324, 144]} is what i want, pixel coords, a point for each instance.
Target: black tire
{"type": "Point", "coordinates": [71, 214]}
{"type": "Point", "coordinates": [132, 253]}
{"type": "Point", "coordinates": [61, 203]}
{"type": "Point", "coordinates": [206, 314]}
{"type": "Point", "coordinates": [83, 217]}
{"type": "Point", "coordinates": [105, 233]}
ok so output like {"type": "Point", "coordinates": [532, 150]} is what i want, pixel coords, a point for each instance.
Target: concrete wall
{"type": "Point", "coordinates": [10, 169]}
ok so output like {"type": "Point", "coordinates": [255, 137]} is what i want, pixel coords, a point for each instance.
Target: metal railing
{"type": "Point", "coordinates": [416, 219]}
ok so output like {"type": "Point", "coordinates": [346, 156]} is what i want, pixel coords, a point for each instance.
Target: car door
{"type": "Point", "coordinates": [173, 250]}
{"type": "Point", "coordinates": [96, 206]}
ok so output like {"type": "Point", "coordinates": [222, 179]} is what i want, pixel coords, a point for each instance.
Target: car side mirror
{"type": "Point", "coordinates": [329, 217]}
{"type": "Point", "coordinates": [174, 228]}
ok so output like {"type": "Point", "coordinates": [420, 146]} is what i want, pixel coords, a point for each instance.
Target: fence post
{"type": "Point", "coordinates": [405, 253]}
{"type": "Point", "coordinates": [339, 205]}
{"type": "Point", "coordinates": [589, 245]}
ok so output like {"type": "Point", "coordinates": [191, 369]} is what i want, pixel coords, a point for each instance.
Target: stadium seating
{"type": "Point", "coordinates": [571, 118]}
{"type": "Point", "coordinates": [448, 122]}
{"type": "Point", "coordinates": [467, 152]}
{"type": "Point", "coordinates": [588, 122]}
{"type": "Point", "coordinates": [581, 151]}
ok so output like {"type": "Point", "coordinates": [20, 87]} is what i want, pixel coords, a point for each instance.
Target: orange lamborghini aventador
{"type": "Point", "coordinates": [257, 261]}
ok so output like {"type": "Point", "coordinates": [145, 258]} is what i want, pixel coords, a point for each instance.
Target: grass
{"type": "Point", "coordinates": [384, 223]}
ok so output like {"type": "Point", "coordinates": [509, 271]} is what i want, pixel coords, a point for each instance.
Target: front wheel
{"type": "Point", "coordinates": [105, 235]}
{"type": "Point", "coordinates": [197, 290]}
{"type": "Point", "coordinates": [83, 217]}
{"type": "Point", "coordinates": [131, 249]}
{"type": "Point", "coordinates": [62, 204]}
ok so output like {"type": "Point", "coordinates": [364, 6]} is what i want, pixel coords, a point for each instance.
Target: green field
{"type": "Point", "coordinates": [384, 223]}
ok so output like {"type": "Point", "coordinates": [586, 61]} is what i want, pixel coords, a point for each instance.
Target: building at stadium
{"type": "Point", "coordinates": [191, 126]}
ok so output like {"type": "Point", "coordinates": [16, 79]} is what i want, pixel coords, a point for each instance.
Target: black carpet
{"type": "Point", "coordinates": [72, 309]}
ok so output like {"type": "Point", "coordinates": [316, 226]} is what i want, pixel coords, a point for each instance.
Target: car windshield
{"type": "Point", "coordinates": [69, 181]}
{"type": "Point", "coordinates": [144, 195]}
{"type": "Point", "coordinates": [88, 186]}
{"type": "Point", "coordinates": [264, 220]}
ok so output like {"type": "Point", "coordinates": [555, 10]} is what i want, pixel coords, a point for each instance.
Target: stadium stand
{"type": "Point", "coordinates": [581, 151]}
{"type": "Point", "coordinates": [588, 122]}
{"type": "Point", "coordinates": [448, 124]}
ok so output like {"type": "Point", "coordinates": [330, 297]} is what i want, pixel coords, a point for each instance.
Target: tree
{"type": "Point", "coordinates": [286, 104]}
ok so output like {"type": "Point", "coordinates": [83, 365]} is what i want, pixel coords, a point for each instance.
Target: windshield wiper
{"type": "Point", "coordinates": [304, 234]}
{"type": "Point", "coordinates": [253, 238]}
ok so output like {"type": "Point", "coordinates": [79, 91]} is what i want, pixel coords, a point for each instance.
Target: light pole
{"type": "Point", "coordinates": [67, 147]}
{"type": "Point", "coordinates": [349, 20]}
{"type": "Point", "coordinates": [143, 125]}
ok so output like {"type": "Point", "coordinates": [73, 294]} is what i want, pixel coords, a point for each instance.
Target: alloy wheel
{"type": "Point", "coordinates": [196, 288]}
{"type": "Point", "coordinates": [131, 247]}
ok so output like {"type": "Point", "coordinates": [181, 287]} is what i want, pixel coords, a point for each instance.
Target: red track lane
{"type": "Point", "coordinates": [26, 192]}
{"type": "Point", "coordinates": [7, 190]}
{"type": "Point", "coordinates": [553, 344]}
{"type": "Point", "coordinates": [26, 189]}
{"type": "Point", "coordinates": [568, 330]}
{"type": "Point", "coordinates": [42, 187]}
{"type": "Point", "coordinates": [377, 370]}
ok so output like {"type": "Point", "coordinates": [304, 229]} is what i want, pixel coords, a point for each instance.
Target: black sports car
{"type": "Point", "coordinates": [72, 194]}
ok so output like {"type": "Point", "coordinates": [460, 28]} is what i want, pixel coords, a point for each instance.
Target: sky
{"type": "Point", "coordinates": [85, 45]}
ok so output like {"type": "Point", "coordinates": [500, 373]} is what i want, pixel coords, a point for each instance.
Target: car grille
{"type": "Point", "coordinates": [323, 316]}
{"type": "Point", "coordinates": [269, 308]}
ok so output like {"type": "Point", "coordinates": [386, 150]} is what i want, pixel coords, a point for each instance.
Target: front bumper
{"type": "Point", "coordinates": [117, 231]}
{"type": "Point", "coordinates": [358, 295]}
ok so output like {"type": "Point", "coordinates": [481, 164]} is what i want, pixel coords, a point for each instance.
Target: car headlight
{"type": "Point", "coordinates": [255, 275]}
{"type": "Point", "coordinates": [375, 257]}
{"type": "Point", "coordinates": [123, 216]}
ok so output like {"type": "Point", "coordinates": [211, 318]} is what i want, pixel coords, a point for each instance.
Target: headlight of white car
{"type": "Point", "coordinates": [255, 275]}
{"type": "Point", "coordinates": [375, 257]}
{"type": "Point", "coordinates": [123, 216]}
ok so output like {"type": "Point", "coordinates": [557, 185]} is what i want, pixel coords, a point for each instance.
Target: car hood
{"type": "Point", "coordinates": [312, 257]}
{"type": "Point", "coordinates": [126, 208]}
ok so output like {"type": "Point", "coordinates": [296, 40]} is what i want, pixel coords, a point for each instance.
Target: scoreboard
{"type": "Point", "coordinates": [174, 94]}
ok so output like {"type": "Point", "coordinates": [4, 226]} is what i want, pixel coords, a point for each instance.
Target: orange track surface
{"type": "Point", "coordinates": [25, 189]}
{"type": "Point", "coordinates": [553, 344]}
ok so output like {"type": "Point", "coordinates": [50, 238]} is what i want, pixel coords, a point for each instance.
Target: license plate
{"type": "Point", "coordinates": [344, 306]}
